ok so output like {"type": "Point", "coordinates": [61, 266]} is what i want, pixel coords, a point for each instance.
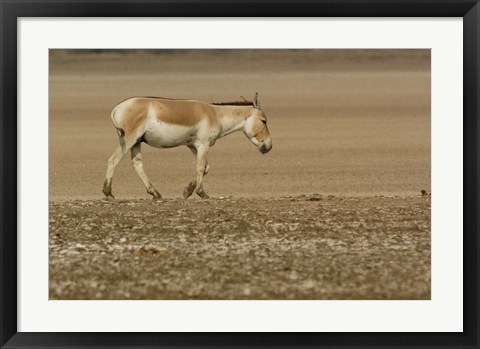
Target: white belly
{"type": "Point", "coordinates": [162, 135]}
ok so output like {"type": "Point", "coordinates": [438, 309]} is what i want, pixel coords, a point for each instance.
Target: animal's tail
{"type": "Point", "coordinates": [120, 131]}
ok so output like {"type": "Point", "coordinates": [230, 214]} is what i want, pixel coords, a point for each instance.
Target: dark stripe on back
{"type": "Point", "coordinates": [181, 99]}
{"type": "Point", "coordinates": [234, 103]}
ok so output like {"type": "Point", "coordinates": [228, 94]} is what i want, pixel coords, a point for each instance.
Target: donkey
{"type": "Point", "coordinates": [165, 123]}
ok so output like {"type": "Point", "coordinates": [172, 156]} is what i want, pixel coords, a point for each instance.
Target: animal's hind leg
{"type": "Point", "coordinates": [188, 191]}
{"type": "Point", "coordinates": [138, 166]}
{"type": "Point", "coordinates": [113, 161]}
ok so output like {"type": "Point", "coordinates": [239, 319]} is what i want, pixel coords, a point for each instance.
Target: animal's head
{"type": "Point", "coordinates": [256, 128]}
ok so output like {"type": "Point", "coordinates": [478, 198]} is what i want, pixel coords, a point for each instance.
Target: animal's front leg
{"type": "Point", "coordinates": [202, 152]}
{"type": "Point", "coordinates": [189, 189]}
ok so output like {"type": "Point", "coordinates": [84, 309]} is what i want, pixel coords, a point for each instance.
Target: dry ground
{"type": "Point", "coordinates": [349, 123]}
{"type": "Point", "coordinates": [285, 248]}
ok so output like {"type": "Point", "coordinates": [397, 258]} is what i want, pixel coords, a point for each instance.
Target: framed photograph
{"type": "Point", "coordinates": [239, 174]}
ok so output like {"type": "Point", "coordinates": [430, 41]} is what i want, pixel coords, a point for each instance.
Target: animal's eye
{"type": "Point", "coordinates": [264, 121]}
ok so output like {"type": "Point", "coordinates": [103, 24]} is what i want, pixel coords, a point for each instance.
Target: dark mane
{"type": "Point", "coordinates": [234, 103]}
{"type": "Point", "coordinates": [245, 102]}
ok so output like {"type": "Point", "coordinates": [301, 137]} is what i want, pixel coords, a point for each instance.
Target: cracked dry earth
{"type": "Point", "coordinates": [304, 247]}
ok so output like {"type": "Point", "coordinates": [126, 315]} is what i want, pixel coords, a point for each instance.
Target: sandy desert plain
{"type": "Point", "coordinates": [333, 211]}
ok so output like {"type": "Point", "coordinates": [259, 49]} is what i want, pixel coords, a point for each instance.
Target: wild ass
{"type": "Point", "coordinates": [165, 123]}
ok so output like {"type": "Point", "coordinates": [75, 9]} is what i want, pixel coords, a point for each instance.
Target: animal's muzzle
{"type": "Point", "coordinates": [265, 148]}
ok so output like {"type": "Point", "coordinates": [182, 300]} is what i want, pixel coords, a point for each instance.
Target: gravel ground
{"type": "Point", "coordinates": [302, 247]}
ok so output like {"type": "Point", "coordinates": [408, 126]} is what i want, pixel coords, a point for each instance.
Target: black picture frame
{"type": "Point", "coordinates": [11, 10]}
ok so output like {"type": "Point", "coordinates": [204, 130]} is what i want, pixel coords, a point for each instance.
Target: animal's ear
{"type": "Point", "coordinates": [256, 103]}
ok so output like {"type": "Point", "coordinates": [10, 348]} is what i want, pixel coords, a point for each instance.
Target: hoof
{"type": "Point", "coordinates": [203, 195]}
{"type": "Point", "coordinates": [107, 189]}
{"type": "Point", "coordinates": [156, 195]}
{"type": "Point", "coordinates": [188, 191]}
{"type": "Point", "coordinates": [109, 197]}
